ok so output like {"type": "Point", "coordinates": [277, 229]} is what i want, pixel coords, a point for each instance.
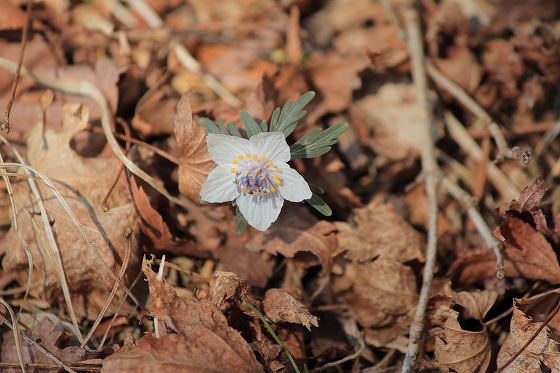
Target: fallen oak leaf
{"type": "Point", "coordinates": [227, 287]}
{"type": "Point", "coordinates": [378, 292]}
{"type": "Point", "coordinates": [456, 348]}
{"type": "Point", "coordinates": [200, 352]}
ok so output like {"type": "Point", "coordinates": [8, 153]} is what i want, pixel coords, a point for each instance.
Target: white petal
{"type": "Point", "coordinates": [223, 148]}
{"type": "Point", "coordinates": [219, 186]}
{"type": "Point", "coordinates": [260, 214]}
{"type": "Point", "coordinates": [271, 145]}
{"type": "Point", "coordinates": [293, 186]}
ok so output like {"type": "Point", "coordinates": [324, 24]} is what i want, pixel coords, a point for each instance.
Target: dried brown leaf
{"type": "Point", "coordinates": [462, 350]}
{"type": "Point", "coordinates": [280, 306]}
{"type": "Point", "coordinates": [476, 303]}
{"type": "Point", "coordinates": [529, 250]}
{"type": "Point", "coordinates": [527, 253]}
{"type": "Point", "coordinates": [389, 113]}
{"type": "Point", "coordinates": [530, 196]}
{"type": "Point", "coordinates": [200, 352]}
{"type": "Point", "coordinates": [195, 162]}
{"type": "Point", "coordinates": [155, 228]}
{"type": "Point", "coordinates": [335, 78]}
{"type": "Point", "coordinates": [542, 349]}
{"type": "Point", "coordinates": [208, 339]}
{"type": "Point", "coordinates": [155, 112]}
{"type": "Point", "coordinates": [298, 232]}
{"type": "Point", "coordinates": [83, 182]}
{"type": "Point", "coordinates": [380, 232]}
{"type": "Point", "coordinates": [227, 288]}
{"type": "Point", "coordinates": [45, 334]}
{"type": "Point", "coordinates": [378, 291]}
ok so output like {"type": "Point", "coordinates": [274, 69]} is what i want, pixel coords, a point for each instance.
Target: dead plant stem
{"type": "Point", "coordinates": [6, 124]}
{"type": "Point", "coordinates": [430, 171]}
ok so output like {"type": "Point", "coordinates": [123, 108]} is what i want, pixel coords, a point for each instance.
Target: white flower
{"type": "Point", "coordinates": [254, 172]}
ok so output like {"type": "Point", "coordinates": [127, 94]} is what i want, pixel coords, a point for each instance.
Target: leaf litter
{"type": "Point", "coordinates": [339, 292]}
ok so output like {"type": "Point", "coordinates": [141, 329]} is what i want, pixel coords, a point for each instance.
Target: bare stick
{"type": "Point", "coordinates": [469, 203]}
{"type": "Point", "coordinates": [6, 124]}
{"type": "Point", "coordinates": [430, 170]}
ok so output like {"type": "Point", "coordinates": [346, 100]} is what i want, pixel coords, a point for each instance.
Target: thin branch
{"type": "Point", "coordinates": [6, 124]}
{"type": "Point", "coordinates": [469, 203]}
{"type": "Point", "coordinates": [430, 170]}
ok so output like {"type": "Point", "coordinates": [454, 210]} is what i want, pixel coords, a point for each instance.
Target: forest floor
{"type": "Point", "coordinates": [434, 241]}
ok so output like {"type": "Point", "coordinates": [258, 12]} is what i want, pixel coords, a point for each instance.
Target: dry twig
{"type": "Point", "coordinates": [430, 170]}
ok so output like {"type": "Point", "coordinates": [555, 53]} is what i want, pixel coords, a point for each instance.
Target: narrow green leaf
{"type": "Point", "coordinates": [315, 189]}
{"type": "Point", "coordinates": [303, 101]}
{"type": "Point", "coordinates": [289, 129]}
{"type": "Point", "coordinates": [231, 128]}
{"type": "Point", "coordinates": [264, 126]}
{"type": "Point", "coordinates": [222, 127]}
{"type": "Point", "coordinates": [251, 125]}
{"type": "Point", "coordinates": [240, 220]}
{"type": "Point", "coordinates": [274, 120]}
{"type": "Point", "coordinates": [319, 205]}
{"type": "Point", "coordinates": [267, 326]}
{"type": "Point", "coordinates": [210, 127]}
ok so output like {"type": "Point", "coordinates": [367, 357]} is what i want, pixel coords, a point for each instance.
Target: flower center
{"type": "Point", "coordinates": [255, 175]}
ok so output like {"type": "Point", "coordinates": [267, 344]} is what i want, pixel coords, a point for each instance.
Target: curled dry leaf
{"type": "Point", "coordinates": [527, 253]}
{"type": "Point", "coordinates": [280, 306]}
{"type": "Point", "coordinates": [205, 340]}
{"type": "Point", "coordinates": [463, 351]}
{"type": "Point", "coordinates": [83, 182]}
{"type": "Point", "coordinates": [379, 232]}
{"type": "Point", "coordinates": [227, 287]}
{"type": "Point", "coordinates": [529, 198]}
{"type": "Point", "coordinates": [541, 351]}
{"type": "Point", "coordinates": [477, 303]}
{"type": "Point", "coordinates": [195, 163]}
{"type": "Point", "coordinates": [44, 334]}
{"type": "Point", "coordinates": [532, 255]}
{"type": "Point", "coordinates": [154, 112]}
